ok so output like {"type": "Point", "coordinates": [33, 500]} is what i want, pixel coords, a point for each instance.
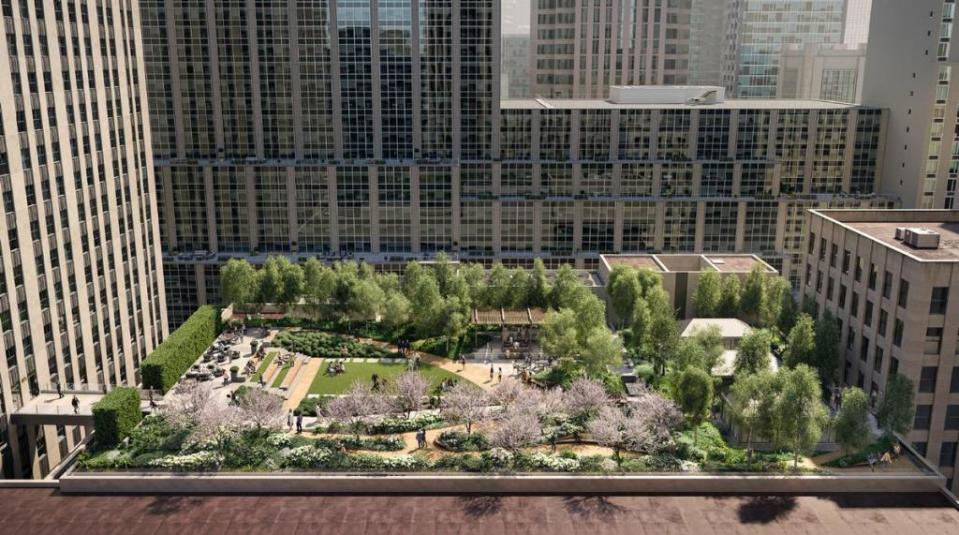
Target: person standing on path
{"type": "Point", "coordinates": [421, 438]}
{"type": "Point", "coordinates": [289, 420]}
{"type": "Point", "coordinates": [76, 404]}
{"type": "Point", "coordinates": [59, 391]}
{"type": "Point", "coordinates": [499, 378]}
{"type": "Point", "coordinates": [299, 423]}
{"type": "Point", "coordinates": [491, 372]}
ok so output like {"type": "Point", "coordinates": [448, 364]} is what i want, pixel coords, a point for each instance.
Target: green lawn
{"type": "Point", "coordinates": [325, 384]}
{"type": "Point", "coordinates": [263, 366]}
{"type": "Point", "coordinates": [283, 371]}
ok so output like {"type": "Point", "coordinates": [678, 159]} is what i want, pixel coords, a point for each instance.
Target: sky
{"type": "Point", "coordinates": [515, 17]}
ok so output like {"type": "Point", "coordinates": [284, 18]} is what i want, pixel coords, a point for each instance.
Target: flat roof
{"type": "Point", "coordinates": [634, 261]}
{"type": "Point", "coordinates": [688, 263]}
{"type": "Point", "coordinates": [736, 263]}
{"type": "Point", "coordinates": [881, 225]}
{"type": "Point", "coordinates": [32, 510]}
{"type": "Point", "coordinates": [741, 104]}
{"type": "Point", "coordinates": [728, 327]}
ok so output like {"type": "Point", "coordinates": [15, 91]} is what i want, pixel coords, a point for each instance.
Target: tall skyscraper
{"type": "Point", "coordinates": [909, 70]}
{"type": "Point", "coordinates": [707, 33]}
{"type": "Point", "coordinates": [515, 67]}
{"type": "Point", "coordinates": [81, 287]}
{"type": "Point", "coordinates": [582, 47]}
{"type": "Point", "coordinates": [756, 31]}
{"type": "Point", "coordinates": [857, 22]}
{"type": "Point", "coordinates": [822, 72]}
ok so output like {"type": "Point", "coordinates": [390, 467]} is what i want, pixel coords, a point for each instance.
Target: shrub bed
{"type": "Point", "coordinates": [172, 358]}
{"type": "Point", "coordinates": [459, 441]}
{"type": "Point", "coordinates": [389, 426]}
{"type": "Point", "coordinates": [116, 415]}
{"type": "Point", "coordinates": [326, 345]}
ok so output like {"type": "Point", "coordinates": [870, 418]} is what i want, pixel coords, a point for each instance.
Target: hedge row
{"type": "Point", "coordinates": [115, 416]}
{"type": "Point", "coordinates": [171, 359]}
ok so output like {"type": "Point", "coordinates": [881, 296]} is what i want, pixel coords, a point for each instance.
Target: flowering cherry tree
{"type": "Point", "coordinates": [356, 404]}
{"type": "Point", "coordinates": [407, 392]}
{"type": "Point", "coordinates": [508, 392]}
{"type": "Point", "coordinates": [660, 416]}
{"type": "Point", "coordinates": [517, 430]}
{"type": "Point", "coordinates": [260, 408]}
{"type": "Point", "coordinates": [465, 403]}
{"type": "Point", "coordinates": [194, 407]}
{"type": "Point", "coordinates": [585, 397]}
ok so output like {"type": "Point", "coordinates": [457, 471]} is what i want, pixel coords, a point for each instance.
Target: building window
{"type": "Point", "coordinates": [864, 349]}
{"type": "Point", "coordinates": [854, 306]}
{"type": "Point", "coordinates": [872, 276]}
{"type": "Point", "coordinates": [883, 322]}
{"type": "Point", "coordinates": [903, 292]}
{"type": "Point", "coordinates": [923, 417]}
{"type": "Point", "coordinates": [893, 366]}
{"type": "Point", "coordinates": [920, 447]}
{"type": "Point", "coordinates": [897, 333]}
{"type": "Point", "coordinates": [886, 284]}
{"type": "Point", "coordinates": [947, 454]}
{"type": "Point", "coordinates": [812, 242]}
{"type": "Point", "coordinates": [833, 252]}
{"type": "Point", "coordinates": [952, 417]}
{"type": "Point", "coordinates": [877, 360]}
{"type": "Point", "coordinates": [867, 318]}
{"type": "Point", "coordinates": [927, 379]}
{"type": "Point", "coordinates": [829, 289]}
{"type": "Point", "coordinates": [822, 248]}
{"type": "Point", "coordinates": [954, 384]}
{"type": "Point", "coordinates": [842, 297]}
{"type": "Point", "coordinates": [933, 342]}
{"type": "Point", "coordinates": [940, 297]}
{"type": "Point", "coordinates": [845, 261]}
{"type": "Point", "coordinates": [858, 273]}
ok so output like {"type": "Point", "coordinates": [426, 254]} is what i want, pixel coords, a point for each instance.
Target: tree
{"type": "Point", "coordinates": [319, 282]}
{"type": "Point", "coordinates": [776, 288]}
{"type": "Point", "coordinates": [559, 333]}
{"type": "Point", "coordinates": [455, 320]}
{"type": "Point", "coordinates": [497, 287]}
{"type": "Point", "coordinates": [624, 289]}
{"type": "Point", "coordinates": [729, 304]}
{"type": "Point", "coordinates": [407, 392]}
{"type": "Point", "coordinates": [748, 394]}
{"type": "Point", "coordinates": [365, 300]}
{"type": "Point", "coordinates": [708, 296]}
{"type": "Point", "coordinates": [639, 330]}
{"type": "Point", "coordinates": [801, 343]}
{"type": "Point", "coordinates": [694, 394]}
{"type": "Point", "coordinates": [443, 273]}
{"type": "Point", "coordinates": [787, 311]}
{"type": "Point", "coordinates": [591, 313]}
{"type": "Point", "coordinates": [689, 354]}
{"type": "Point", "coordinates": [396, 310]}
{"type": "Point", "coordinates": [602, 349]}
{"type": "Point", "coordinates": [852, 423]}
{"type": "Point", "coordinates": [355, 404]}
{"type": "Point", "coordinates": [753, 353]}
{"type": "Point", "coordinates": [827, 347]}
{"type": "Point", "coordinates": [466, 404]}
{"type": "Point", "coordinates": [585, 397]}
{"type": "Point", "coordinates": [426, 300]}
{"type": "Point", "coordinates": [237, 282]}
{"type": "Point", "coordinates": [517, 295]}
{"type": "Point", "coordinates": [260, 408]}
{"type": "Point", "coordinates": [711, 340]}
{"type": "Point", "coordinates": [292, 283]}
{"type": "Point", "coordinates": [271, 279]}
{"type": "Point", "coordinates": [753, 300]}
{"type": "Point", "coordinates": [475, 278]}
{"type": "Point", "coordinates": [801, 415]}
{"type": "Point", "coordinates": [517, 430]}
{"type": "Point", "coordinates": [663, 330]}
{"type": "Point", "coordinates": [896, 409]}
{"type": "Point", "coordinates": [567, 289]}
{"type": "Point", "coordinates": [538, 293]}
{"type": "Point", "coordinates": [661, 415]}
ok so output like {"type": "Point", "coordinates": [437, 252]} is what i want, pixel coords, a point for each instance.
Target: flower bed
{"type": "Point", "coordinates": [326, 345]}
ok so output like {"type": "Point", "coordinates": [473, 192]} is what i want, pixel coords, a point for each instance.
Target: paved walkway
{"type": "Point", "coordinates": [301, 387]}
{"type": "Point", "coordinates": [40, 511]}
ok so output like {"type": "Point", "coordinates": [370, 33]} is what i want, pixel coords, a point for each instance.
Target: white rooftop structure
{"type": "Point", "coordinates": [728, 327]}
{"type": "Point", "coordinates": [666, 94]}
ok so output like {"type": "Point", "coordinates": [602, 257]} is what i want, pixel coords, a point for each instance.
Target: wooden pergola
{"type": "Point", "coordinates": [521, 322]}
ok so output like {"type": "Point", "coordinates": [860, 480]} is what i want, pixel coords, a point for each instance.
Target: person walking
{"type": "Point", "coordinates": [76, 404]}
{"type": "Point", "coordinates": [500, 376]}
{"type": "Point", "coordinates": [491, 370]}
{"type": "Point", "coordinates": [421, 438]}
{"type": "Point", "coordinates": [59, 391]}
{"type": "Point", "coordinates": [289, 420]}
{"type": "Point", "coordinates": [299, 423]}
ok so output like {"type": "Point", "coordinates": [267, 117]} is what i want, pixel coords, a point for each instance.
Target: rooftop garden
{"type": "Point", "coordinates": [574, 416]}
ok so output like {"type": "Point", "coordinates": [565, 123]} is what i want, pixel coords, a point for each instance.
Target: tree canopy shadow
{"type": "Point", "coordinates": [480, 506]}
{"type": "Point", "coordinates": [592, 506]}
{"type": "Point", "coordinates": [765, 509]}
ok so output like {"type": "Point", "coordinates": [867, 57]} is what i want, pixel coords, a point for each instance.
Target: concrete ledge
{"type": "Point", "coordinates": [244, 483]}
{"type": "Point", "coordinates": [29, 483]}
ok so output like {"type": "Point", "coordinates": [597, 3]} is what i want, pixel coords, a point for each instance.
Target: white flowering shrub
{"type": "Point", "coordinates": [498, 458]}
{"type": "Point", "coordinates": [551, 463]}
{"type": "Point", "coordinates": [307, 457]}
{"type": "Point", "coordinates": [280, 440]}
{"type": "Point", "coordinates": [201, 460]}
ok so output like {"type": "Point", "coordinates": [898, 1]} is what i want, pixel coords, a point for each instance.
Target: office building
{"type": "Point", "coordinates": [909, 71]}
{"type": "Point", "coordinates": [822, 72]}
{"type": "Point", "coordinates": [756, 31]}
{"type": "Point", "coordinates": [707, 34]}
{"type": "Point", "coordinates": [857, 22]}
{"type": "Point", "coordinates": [582, 47]}
{"type": "Point", "coordinates": [890, 277]}
{"type": "Point", "coordinates": [515, 67]}
{"type": "Point", "coordinates": [81, 285]}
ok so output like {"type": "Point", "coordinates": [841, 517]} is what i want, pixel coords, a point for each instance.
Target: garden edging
{"type": "Point", "coordinates": [274, 483]}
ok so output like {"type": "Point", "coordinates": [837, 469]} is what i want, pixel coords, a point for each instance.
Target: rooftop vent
{"type": "Point", "coordinates": [920, 238]}
{"type": "Point", "coordinates": [900, 233]}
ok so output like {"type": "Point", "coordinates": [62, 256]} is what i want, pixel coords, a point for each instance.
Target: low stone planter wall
{"type": "Point", "coordinates": [393, 483]}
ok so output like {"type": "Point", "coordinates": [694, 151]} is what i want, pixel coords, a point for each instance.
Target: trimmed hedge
{"type": "Point", "coordinates": [116, 415]}
{"type": "Point", "coordinates": [171, 359]}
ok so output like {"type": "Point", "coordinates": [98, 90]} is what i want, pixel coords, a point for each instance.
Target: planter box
{"type": "Point", "coordinates": [416, 483]}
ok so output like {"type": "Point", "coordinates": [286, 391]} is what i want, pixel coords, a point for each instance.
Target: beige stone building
{"type": "Point", "coordinates": [822, 72]}
{"type": "Point", "coordinates": [81, 286]}
{"type": "Point", "coordinates": [891, 277]}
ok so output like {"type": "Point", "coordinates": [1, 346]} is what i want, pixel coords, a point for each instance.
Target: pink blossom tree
{"type": "Point", "coordinates": [194, 407]}
{"type": "Point", "coordinates": [660, 416]}
{"type": "Point", "coordinates": [407, 392]}
{"type": "Point", "coordinates": [465, 403]}
{"type": "Point", "coordinates": [508, 392]}
{"type": "Point", "coordinates": [517, 430]}
{"type": "Point", "coordinates": [585, 397]}
{"type": "Point", "coordinates": [356, 404]}
{"type": "Point", "coordinates": [261, 409]}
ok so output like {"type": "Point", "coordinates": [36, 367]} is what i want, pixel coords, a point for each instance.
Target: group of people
{"type": "Point", "coordinates": [336, 367]}
{"type": "Point", "coordinates": [404, 346]}
{"type": "Point", "coordinates": [886, 457]}
{"type": "Point", "coordinates": [413, 363]}
{"type": "Point", "coordinates": [296, 419]}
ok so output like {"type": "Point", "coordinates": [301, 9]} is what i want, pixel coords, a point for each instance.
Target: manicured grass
{"type": "Point", "coordinates": [263, 366]}
{"type": "Point", "coordinates": [361, 371]}
{"type": "Point", "coordinates": [283, 371]}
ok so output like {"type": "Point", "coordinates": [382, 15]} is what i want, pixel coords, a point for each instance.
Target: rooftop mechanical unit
{"type": "Point", "coordinates": [918, 238]}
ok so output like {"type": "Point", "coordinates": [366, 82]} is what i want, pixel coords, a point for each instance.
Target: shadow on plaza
{"type": "Point", "coordinates": [765, 509]}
